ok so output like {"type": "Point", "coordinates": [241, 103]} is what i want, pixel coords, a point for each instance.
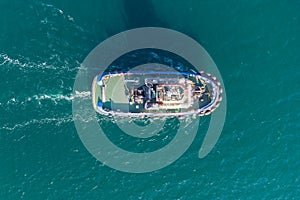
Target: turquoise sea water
{"type": "Point", "coordinates": [255, 45]}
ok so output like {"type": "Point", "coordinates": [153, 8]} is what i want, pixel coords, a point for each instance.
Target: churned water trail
{"type": "Point", "coordinates": [43, 99]}
{"type": "Point", "coordinates": [23, 63]}
{"type": "Point", "coordinates": [32, 122]}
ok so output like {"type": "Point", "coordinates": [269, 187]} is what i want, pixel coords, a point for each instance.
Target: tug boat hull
{"type": "Point", "coordinates": [155, 94]}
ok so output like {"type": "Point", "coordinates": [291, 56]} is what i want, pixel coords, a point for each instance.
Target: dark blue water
{"type": "Point", "coordinates": [255, 45]}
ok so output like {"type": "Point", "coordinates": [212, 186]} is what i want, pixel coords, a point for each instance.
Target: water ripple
{"type": "Point", "coordinates": [40, 98]}
{"type": "Point", "coordinates": [56, 121]}
{"type": "Point", "coordinates": [7, 61]}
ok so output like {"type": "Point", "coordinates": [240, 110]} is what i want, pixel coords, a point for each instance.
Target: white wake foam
{"type": "Point", "coordinates": [56, 121]}
{"type": "Point", "coordinates": [59, 97]}
{"type": "Point", "coordinates": [40, 98]}
{"type": "Point", "coordinates": [25, 63]}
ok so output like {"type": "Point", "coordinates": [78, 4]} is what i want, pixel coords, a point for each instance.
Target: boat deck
{"type": "Point", "coordinates": [149, 94]}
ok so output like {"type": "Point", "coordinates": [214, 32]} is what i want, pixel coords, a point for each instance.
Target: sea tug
{"type": "Point", "coordinates": [155, 94]}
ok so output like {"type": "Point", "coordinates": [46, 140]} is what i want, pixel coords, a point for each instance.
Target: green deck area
{"type": "Point", "coordinates": [115, 88]}
{"type": "Point", "coordinates": [114, 97]}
